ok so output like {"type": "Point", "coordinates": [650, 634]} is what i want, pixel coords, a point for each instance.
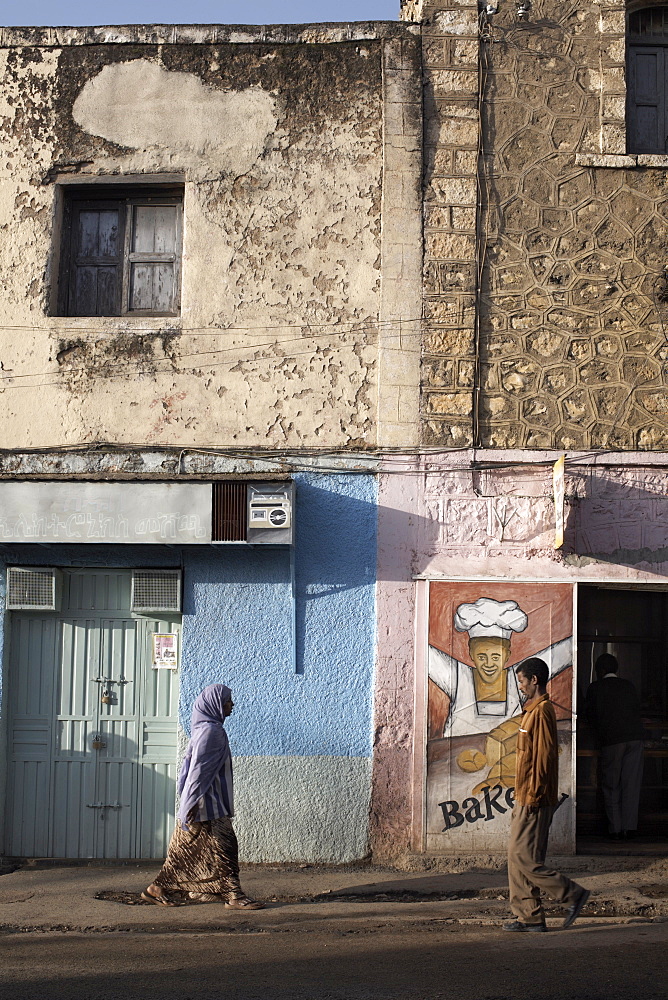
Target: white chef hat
{"type": "Point", "coordinates": [490, 619]}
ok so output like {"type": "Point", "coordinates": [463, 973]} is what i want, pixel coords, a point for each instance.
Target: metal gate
{"type": "Point", "coordinates": [92, 727]}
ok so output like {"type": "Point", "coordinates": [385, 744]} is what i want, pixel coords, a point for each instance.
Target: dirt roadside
{"type": "Point", "coordinates": [467, 890]}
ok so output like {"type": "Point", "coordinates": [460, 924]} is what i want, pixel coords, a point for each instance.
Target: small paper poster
{"type": "Point", "coordinates": [165, 650]}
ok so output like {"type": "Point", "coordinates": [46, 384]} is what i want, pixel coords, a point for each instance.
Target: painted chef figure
{"type": "Point", "coordinates": [485, 698]}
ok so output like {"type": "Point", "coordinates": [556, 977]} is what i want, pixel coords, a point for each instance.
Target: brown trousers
{"type": "Point", "coordinates": [527, 874]}
{"type": "Point", "coordinates": [621, 778]}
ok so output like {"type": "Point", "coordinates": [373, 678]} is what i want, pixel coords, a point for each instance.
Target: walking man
{"type": "Point", "coordinates": [613, 710]}
{"type": "Point", "coordinates": [535, 801]}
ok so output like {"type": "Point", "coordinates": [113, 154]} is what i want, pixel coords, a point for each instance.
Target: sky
{"type": "Point", "coordinates": [76, 12]}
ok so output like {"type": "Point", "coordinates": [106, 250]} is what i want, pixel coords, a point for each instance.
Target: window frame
{"type": "Point", "coordinates": [126, 199]}
{"type": "Point", "coordinates": [647, 43]}
{"type": "Point", "coordinates": [636, 100]}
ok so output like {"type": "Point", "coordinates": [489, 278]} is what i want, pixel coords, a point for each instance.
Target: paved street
{"type": "Point", "coordinates": [355, 959]}
{"type": "Point", "coordinates": [336, 933]}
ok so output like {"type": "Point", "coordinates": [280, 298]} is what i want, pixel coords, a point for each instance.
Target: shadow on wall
{"type": "Point", "coordinates": [613, 519]}
{"type": "Point", "coordinates": [613, 516]}
{"type": "Point", "coordinates": [336, 563]}
{"type": "Point", "coordinates": [344, 556]}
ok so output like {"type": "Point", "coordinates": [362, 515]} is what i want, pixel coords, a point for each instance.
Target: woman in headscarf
{"type": "Point", "coordinates": [202, 859]}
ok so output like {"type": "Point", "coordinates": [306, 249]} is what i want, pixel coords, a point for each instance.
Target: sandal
{"type": "Point", "coordinates": [244, 903]}
{"type": "Point", "coordinates": [161, 900]}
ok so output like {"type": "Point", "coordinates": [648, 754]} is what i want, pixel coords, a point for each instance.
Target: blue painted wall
{"type": "Point", "coordinates": [237, 627]}
{"type": "Point", "coordinates": [237, 622]}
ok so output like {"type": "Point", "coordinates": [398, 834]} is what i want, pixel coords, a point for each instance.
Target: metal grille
{"type": "Point", "coordinates": [229, 514]}
{"type": "Point", "coordinates": [649, 22]}
{"type": "Point", "coordinates": [156, 590]}
{"type": "Point", "coordinates": [31, 589]}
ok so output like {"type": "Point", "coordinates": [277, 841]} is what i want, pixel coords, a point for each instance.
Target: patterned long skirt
{"type": "Point", "coordinates": [205, 861]}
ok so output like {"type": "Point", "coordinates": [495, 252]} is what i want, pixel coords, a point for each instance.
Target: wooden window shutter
{"type": "Point", "coordinates": [121, 251]}
{"type": "Point", "coordinates": [646, 108]}
{"type": "Point", "coordinates": [153, 256]}
{"type": "Point", "coordinates": [96, 264]}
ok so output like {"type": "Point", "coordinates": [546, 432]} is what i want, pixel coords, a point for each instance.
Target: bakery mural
{"type": "Point", "coordinates": [478, 634]}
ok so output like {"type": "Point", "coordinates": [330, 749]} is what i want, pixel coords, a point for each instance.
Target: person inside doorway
{"type": "Point", "coordinates": [613, 711]}
{"type": "Point", "coordinates": [202, 860]}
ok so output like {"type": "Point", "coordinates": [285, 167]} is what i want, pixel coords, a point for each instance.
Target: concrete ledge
{"type": "Point", "coordinates": [203, 34]}
{"type": "Point", "coordinates": [620, 161]}
{"type": "Point", "coordinates": [610, 160]}
{"type": "Point", "coordinates": [490, 456]}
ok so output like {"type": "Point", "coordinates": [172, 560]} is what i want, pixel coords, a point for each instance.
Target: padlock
{"type": "Point", "coordinates": [107, 698]}
{"type": "Point", "coordinates": [98, 743]}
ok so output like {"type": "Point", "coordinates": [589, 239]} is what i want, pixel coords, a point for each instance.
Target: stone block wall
{"type": "Point", "coordinates": [451, 124]}
{"type": "Point", "coordinates": [572, 342]}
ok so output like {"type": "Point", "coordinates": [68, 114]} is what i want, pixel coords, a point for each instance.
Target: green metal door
{"type": "Point", "coordinates": [92, 727]}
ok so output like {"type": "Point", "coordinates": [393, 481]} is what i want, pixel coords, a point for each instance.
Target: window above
{"type": "Point", "coordinates": [647, 63]}
{"type": "Point", "coordinates": [121, 252]}
{"type": "Point", "coordinates": [649, 21]}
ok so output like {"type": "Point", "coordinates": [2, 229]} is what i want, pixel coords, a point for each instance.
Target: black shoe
{"type": "Point", "coordinates": [616, 836]}
{"type": "Point", "coordinates": [517, 925]}
{"type": "Point", "coordinates": [630, 834]}
{"type": "Point", "coordinates": [574, 910]}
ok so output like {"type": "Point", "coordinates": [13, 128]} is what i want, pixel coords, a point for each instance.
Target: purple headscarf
{"type": "Point", "coordinates": [208, 748]}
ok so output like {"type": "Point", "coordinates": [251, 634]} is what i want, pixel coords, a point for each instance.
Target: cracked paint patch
{"type": "Point", "coordinates": [140, 105]}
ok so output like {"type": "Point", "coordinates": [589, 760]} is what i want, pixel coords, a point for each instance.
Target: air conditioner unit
{"type": "Point", "coordinates": [270, 513]}
{"type": "Point", "coordinates": [156, 590]}
{"type": "Point", "coordinates": [34, 588]}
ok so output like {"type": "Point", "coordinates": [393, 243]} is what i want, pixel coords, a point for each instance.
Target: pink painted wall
{"type": "Point", "coordinates": [391, 802]}
{"type": "Point", "coordinates": [440, 518]}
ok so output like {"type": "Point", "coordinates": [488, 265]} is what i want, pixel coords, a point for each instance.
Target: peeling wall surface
{"type": "Point", "coordinates": [286, 144]}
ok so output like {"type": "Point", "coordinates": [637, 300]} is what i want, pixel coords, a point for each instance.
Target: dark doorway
{"type": "Point", "coordinates": [632, 624]}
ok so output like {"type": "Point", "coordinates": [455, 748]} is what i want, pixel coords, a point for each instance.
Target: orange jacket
{"type": "Point", "coordinates": [537, 772]}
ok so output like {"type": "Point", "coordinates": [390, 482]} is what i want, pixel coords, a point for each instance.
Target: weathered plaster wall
{"type": "Point", "coordinates": [140, 105]}
{"type": "Point", "coordinates": [394, 691]}
{"type": "Point", "coordinates": [456, 519]}
{"type": "Point", "coordinates": [568, 349]}
{"type": "Point", "coordinates": [284, 143]}
{"type": "Point", "coordinates": [303, 808]}
{"type": "Point", "coordinates": [302, 737]}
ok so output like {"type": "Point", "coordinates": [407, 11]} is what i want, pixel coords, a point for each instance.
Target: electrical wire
{"type": "Point", "coordinates": [129, 366]}
{"type": "Point", "coordinates": [212, 330]}
{"type": "Point", "coordinates": [485, 38]}
{"type": "Point", "coordinates": [385, 458]}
